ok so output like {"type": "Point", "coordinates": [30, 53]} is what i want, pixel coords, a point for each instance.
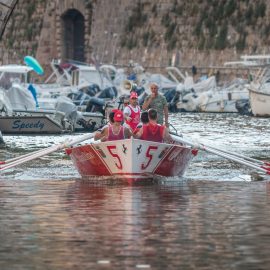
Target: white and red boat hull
{"type": "Point", "coordinates": [131, 158]}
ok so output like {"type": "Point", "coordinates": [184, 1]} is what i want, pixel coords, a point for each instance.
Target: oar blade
{"type": "Point", "coordinates": [46, 151]}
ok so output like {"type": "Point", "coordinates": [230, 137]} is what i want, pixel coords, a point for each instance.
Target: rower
{"type": "Point", "coordinates": [100, 132]}
{"type": "Point", "coordinates": [132, 112]}
{"type": "Point", "coordinates": [153, 131]}
{"type": "Point", "coordinates": [116, 131]}
{"type": "Point", "coordinates": [144, 121]}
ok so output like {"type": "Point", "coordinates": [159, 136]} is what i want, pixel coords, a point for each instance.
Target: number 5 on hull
{"type": "Point", "coordinates": [149, 155]}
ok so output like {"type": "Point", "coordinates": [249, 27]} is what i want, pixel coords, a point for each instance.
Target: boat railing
{"type": "Point", "coordinates": [173, 71]}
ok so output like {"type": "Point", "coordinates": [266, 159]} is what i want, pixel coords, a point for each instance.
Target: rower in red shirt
{"type": "Point", "coordinates": [153, 131]}
{"type": "Point", "coordinates": [100, 133]}
{"type": "Point", "coordinates": [116, 131]}
{"type": "Point", "coordinates": [132, 112]}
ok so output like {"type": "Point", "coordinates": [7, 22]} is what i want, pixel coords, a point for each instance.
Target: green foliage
{"type": "Point", "coordinates": [131, 42]}
{"type": "Point", "coordinates": [220, 43]}
{"type": "Point", "coordinates": [260, 9]}
{"type": "Point", "coordinates": [172, 43]}
{"type": "Point", "coordinates": [165, 21]}
{"type": "Point", "coordinates": [137, 19]}
{"type": "Point", "coordinates": [211, 21]}
{"type": "Point", "coordinates": [194, 10]}
{"type": "Point", "coordinates": [34, 48]}
{"type": "Point", "coordinates": [29, 32]}
{"type": "Point", "coordinates": [30, 10]}
{"type": "Point", "coordinates": [230, 8]}
{"type": "Point", "coordinates": [145, 38]}
{"type": "Point", "coordinates": [201, 42]}
{"type": "Point", "coordinates": [154, 10]}
{"type": "Point", "coordinates": [241, 42]}
{"type": "Point", "coordinates": [123, 42]}
{"type": "Point", "coordinates": [265, 30]}
{"type": "Point", "coordinates": [177, 9]}
{"type": "Point", "coordinates": [170, 31]}
{"type": "Point", "coordinates": [198, 29]}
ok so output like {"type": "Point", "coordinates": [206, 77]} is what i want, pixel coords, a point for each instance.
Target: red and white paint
{"type": "Point", "coordinates": [131, 158]}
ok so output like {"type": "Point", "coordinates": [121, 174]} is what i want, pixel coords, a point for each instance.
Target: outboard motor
{"type": "Point", "coordinates": [79, 98]}
{"type": "Point", "coordinates": [243, 107]}
{"type": "Point", "coordinates": [169, 94]}
{"type": "Point", "coordinates": [69, 109]}
{"type": "Point", "coordinates": [2, 143]}
{"type": "Point", "coordinates": [138, 90]}
{"type": "Point", "coordinates": [172, 105]}
{"type": "Point", "coordinates": [95, 104]}
{"type": "Point", "coordinates": [109, 92]}
{"type": "Point", "coordinates": [142, 98]}
{"type": "Point", "coordinates": [91, 90]}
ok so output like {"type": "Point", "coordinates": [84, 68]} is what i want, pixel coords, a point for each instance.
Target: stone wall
{"type": "Point", "coordinates": [36, 28]}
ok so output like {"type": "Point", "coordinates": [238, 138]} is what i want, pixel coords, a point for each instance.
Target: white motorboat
{"type": "Point", "coordinates": [215, 99]}
{"type": "Point", "coordinates": [259, 102]}
{"type": "Point", "coordinates": [20, 100]}
{"type": "Point", "coordinates": [259, 93]}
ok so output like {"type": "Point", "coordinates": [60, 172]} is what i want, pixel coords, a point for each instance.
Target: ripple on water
{"type": "Point", "coordinates": [244, 135]}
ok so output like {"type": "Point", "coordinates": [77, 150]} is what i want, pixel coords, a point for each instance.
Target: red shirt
{"type": "Point", "coordinates": [115, 137]}
{"type": "Point", "coordinates": [153, 132]}
{"type": "Point", "coordinates": [135, 118]}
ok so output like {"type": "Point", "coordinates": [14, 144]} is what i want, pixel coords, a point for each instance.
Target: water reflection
{"type": "Point", "coordinates": [168, 225]}
{"type": "Point", "coordinates": [244, 135]}
{"type": "Point", "coordinates": [214, 218]}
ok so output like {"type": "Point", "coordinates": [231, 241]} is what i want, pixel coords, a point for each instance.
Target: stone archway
{"type": "Point", "coordinates": [73, 35]}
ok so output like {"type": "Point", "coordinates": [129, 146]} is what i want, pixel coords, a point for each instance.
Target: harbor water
{"type": "Point", "coordinates": [216, 217]}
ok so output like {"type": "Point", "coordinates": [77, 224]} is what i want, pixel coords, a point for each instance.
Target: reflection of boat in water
{"type": "Point", "coordinates": [131, 159]}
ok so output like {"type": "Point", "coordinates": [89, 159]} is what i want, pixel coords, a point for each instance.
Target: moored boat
{"type": "Point", "coordinates": [259, 94]}
{"type": "Point", "coordinates": [35, 123]}
{"type": "Point", "coordinates": [131, 159]}
{"type": "Point", "coordinates": [260, 103]}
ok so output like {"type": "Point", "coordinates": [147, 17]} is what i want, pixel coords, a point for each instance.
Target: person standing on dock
{"type": "Point", "coordinates": [158, 102]}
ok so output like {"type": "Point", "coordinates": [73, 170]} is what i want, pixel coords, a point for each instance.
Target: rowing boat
{"type": "Point", "coordinates": [131, 159]}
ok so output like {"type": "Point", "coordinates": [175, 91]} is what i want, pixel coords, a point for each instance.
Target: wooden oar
{"type": "Point", "coordinates": [263, 163]}
{"type": "Point", "coordinates": [23, 156]}
{"type": "Point", "coordinates": [46, 151]}
{"type": "Point", "coordinates": [203, 147]}
{"type": "Point", "coordinates": [242, 156]}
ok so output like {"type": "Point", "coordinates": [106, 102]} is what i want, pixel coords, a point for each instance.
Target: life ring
{"type": "Point", "coordinates": [33, 63]}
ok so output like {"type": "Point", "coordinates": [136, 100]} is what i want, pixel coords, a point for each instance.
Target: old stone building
{"type": "Point", "coordinates": [65, 29]}
{"type": "Point", "coordinates": [153, 33]}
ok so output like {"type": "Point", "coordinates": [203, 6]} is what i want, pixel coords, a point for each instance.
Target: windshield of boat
{"type": "Point", "coordinates": [8, 78]}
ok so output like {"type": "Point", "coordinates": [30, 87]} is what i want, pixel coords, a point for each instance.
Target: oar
{"type": "Point", "coordinates": [219, 153]}
{"type": "Point", "coordinates": [263, 163]}
{"type": "Point", "coordinates": [46, 151]}
{"type": "Point", "coordinates": [23, 156]}
{"type": "Point", "coordinates": [242, 156]}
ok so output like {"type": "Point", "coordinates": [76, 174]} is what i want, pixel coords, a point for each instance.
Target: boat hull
{"type": "Point", "coordinates": [27, 124]}
{"type": "Point", "coordinates": [213, 101]}
{"type": "Point", "coordinates": [259, 103]}
{"type": "Point", "coordinates": [131, 159]}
